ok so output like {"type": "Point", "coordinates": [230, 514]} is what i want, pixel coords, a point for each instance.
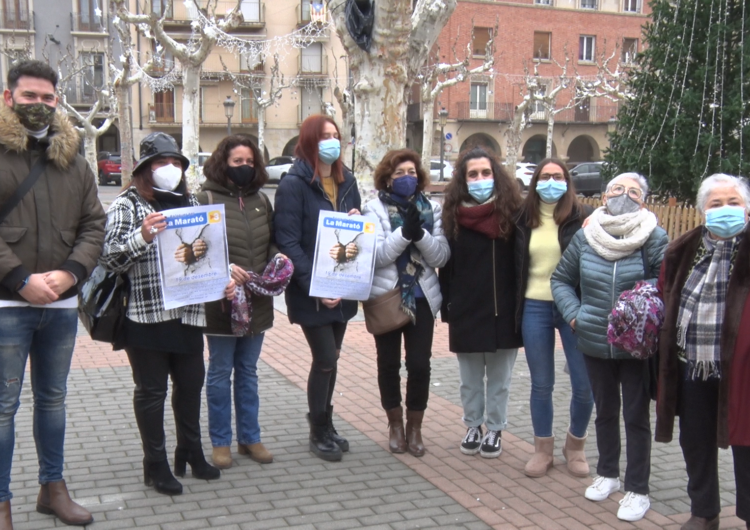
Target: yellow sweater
{"type": "Point", "coordinates": [544, 254]}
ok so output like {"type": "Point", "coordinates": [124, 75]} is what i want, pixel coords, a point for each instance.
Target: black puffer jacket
{"type": "Point", "coordinates": [299, 201]}
{"type": "Point", "coordinates": [565, 233]}
{"type": "Point", "coordinates": [251, 246]}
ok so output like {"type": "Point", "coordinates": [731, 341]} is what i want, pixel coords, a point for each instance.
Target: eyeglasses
{"type": "Point", "coordinates": [619, 189]}
{"type": "Point", "coordinates": [559, 177]}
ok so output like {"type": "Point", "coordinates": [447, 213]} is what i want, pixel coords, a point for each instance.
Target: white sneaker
{"type": "Point", "coordinates": [602, 488]}
{"type": "Point", "coordinates": [633, 506]}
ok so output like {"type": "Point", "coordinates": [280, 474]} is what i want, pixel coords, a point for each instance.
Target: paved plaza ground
{"type": "Point", "coordinates": [370, 488]}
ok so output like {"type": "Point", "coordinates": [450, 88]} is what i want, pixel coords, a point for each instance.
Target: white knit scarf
{"type": "Point", "coordinates": [614, 237]}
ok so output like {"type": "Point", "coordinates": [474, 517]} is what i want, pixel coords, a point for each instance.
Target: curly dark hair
{"type": "Point", "coordinates": [507, 196]}
{"type": "Point", "coordinates": [215, 168]}
{"type": "Point", "coordinates": [31, 68]}
{"type": "Point", "coordinates": [391, 161]}
{"type": "Point", "coordinates": [567, 204]}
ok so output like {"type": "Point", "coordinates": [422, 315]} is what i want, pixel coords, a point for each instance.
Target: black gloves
{"type": "Point", "coordinates": [412, 229]}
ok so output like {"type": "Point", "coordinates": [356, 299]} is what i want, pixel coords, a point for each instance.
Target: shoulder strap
{"type": "Point", "coordinates": [23, 188]}
{"type": "Point", "coordinates": [210, 196]}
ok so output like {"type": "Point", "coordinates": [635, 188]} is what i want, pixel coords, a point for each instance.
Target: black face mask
{"type": "Point", "coordinates": [242, 176]}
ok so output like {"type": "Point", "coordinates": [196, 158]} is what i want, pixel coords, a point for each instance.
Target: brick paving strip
{"type": "Point", "coordinates": [371, 488]}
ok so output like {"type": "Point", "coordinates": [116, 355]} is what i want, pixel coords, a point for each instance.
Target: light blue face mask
{"type": "Point", "coordinates": [551, 190]}
{"type": "Point", "coordinates": [725, 222]}
{"type": "Point", "coordinates": [481, 190]}
{"type": "Point", "coordinates": [329, 150]}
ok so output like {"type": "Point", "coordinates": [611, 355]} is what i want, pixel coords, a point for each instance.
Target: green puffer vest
{"type": "Point", "coordinates": [601, 283]}
{"type": "Point", "coordinates": [251, 246]}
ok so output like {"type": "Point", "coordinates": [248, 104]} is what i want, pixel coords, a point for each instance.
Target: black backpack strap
{"type": "Point", "coordinates": [23, 188]}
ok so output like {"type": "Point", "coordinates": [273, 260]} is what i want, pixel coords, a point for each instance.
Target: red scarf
{"type": "Point", "coordinates": [480, 218]}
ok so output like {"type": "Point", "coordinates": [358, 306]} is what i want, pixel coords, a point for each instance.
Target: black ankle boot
{"type": "Point", "coordinates": [338, 440]}
{"type": "Point", "coordinates": [198, 465]}
{"type": "Point", "coordinates": [321, 442]}
{"type": "Point", "coordinates": [158, 475]}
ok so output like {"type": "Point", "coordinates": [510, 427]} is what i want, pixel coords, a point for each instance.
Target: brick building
{"type": "Point", "coordinates": [543, 31]}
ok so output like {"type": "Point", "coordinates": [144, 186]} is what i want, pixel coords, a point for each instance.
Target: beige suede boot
{"type": "Point", "coordinates": [576, 456]}
{"type": "Point", "coordinates": [542, 459]}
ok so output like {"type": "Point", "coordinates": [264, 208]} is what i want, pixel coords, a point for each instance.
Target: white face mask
{"type": "Point", "coordinates": [167, 177]}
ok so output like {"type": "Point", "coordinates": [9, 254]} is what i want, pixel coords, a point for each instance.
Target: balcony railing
{"type": "Point", "coordinates": [312, 65]}
{"type": "Point", "coordinates": [22, 19]}
{"type": "Point", "coordinates": [491, 112]}
{"type": "Point", "coordinates": [161, 113]}
{"type": "Point", "coordinates": [590, 114]}
{"type": "Point", "coordinates": [306, 14]}
{"type": "Point", "coordinates": [256, 69]}
{"type": "Point", "coordinates": [86, 23]}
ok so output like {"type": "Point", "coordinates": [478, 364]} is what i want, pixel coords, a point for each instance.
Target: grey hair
{"type": "Point", "coordinates": [717, 180]}
{"type": "Point", "coordinates": [640, 179]}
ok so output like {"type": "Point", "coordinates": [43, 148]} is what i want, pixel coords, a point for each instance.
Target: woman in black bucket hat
{"type": "Point", "coordinates": [160, 343]}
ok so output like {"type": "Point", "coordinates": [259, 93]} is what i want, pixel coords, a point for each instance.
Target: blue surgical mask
{"type": "Point", "coordinates": [551, 190]}
{"type": "Point", "coordinates": [329, 150]}
{"type": "Point", "coordinates": [404, 186]}
{"type": "Point", "coordinates": [725, 222]}
{"type": "Point", "coordinates": [481, 190]}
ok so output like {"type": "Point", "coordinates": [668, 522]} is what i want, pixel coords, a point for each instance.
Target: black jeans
{"type": "Point", "coordinates": [418, 347]}
{"type": "Point", "coordinates": [741, 455]}
{"type": "Point", "coordinates": [607, 377]}
{"type": "Point", "coordinates": [325, 344]}
{"type": "Point", "coordinates": [698, 409]}
{"type": "Point", "coordinates": [151, 372]}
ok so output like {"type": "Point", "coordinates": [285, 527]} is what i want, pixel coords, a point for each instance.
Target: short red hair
{"type": "Point", "coordinates": [310, 133]}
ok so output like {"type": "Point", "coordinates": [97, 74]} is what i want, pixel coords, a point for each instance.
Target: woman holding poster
{"type": "Point", "coordinates": [410, 246]}
{"type": "Point", "coordinates": [317, 182]}
{"type": "Point", "coordinates": [160, 343]}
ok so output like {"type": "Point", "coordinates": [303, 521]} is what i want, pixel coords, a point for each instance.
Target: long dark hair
{"type": "Point", "coordinates": [310, 133]}
{"type": "Point", "coordinates": [507, 196]}
{"type": "Point", "coordinates": [566, 206]}
{"type": "Point", "coordinates": [215, 168]}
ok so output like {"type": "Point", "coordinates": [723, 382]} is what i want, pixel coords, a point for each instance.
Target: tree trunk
{"type": "Point", "coordinates": [261, 129]}
{"type": "Point", "coordinates": [89, 149]}
{"type": "Point", "coordinates": [126, 132]}
{"type": "Point", "coordinates": [428, 130]}
{"type": "Point", "coordinates": [514, 134]}
{"type": "Point", "coordinates": [191, 86]}
{"type": "Point", "coordinates": [550, 130]}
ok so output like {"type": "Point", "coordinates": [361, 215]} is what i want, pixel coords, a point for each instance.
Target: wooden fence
{"type": "Point", "coordinates": [676, 220]}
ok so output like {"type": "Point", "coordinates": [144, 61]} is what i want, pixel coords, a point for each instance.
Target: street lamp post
{"type": "Point", "coordinates": [229, 112]}
{"type": "Point", "coordinates": [442, 120]}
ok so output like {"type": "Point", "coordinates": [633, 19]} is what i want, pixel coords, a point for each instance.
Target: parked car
{"type": "Point", "coordinates": [435, 170]}
{"type": "Point", "coordinates": [587, 178]}
{"type": "Point", "coordinates": [110, 168]}
{"type": "Point", "coordinates": [278, 167]}
{"type": "Point", "coordinates": [524, 172]}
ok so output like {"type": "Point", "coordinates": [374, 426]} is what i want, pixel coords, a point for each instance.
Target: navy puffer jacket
{"type": "Point", "coordinates": [299, 201]}
{"type": "Point", "coordinates": [601, 283]}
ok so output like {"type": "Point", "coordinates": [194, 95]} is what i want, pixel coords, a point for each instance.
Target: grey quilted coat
{"type": "Point", "coordinates": [601, 282]}
{"type": "Point", "coordinates": [390, 245]}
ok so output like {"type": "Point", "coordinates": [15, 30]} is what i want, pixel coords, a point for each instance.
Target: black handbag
{"type": "Point", "coordinates": [103, 304]}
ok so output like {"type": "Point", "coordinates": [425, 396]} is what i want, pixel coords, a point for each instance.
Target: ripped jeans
{"type": "Point", "coordinates": [48, 336]}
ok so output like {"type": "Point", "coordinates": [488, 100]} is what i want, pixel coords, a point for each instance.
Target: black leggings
{"type": "Point", "coordinates": [325, 345]}
{"type": "Point", "coordinates": [151, 372]}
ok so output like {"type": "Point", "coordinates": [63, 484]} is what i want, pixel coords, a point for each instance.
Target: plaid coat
{"type": "Point", "coordinates": [125, 251]}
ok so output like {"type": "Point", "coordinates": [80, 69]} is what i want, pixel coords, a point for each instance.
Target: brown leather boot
{"type": "Point", "coordinates": [576, 456]}
{"type": "Point", "coordinates": [6, 523]}
{"type": "Point", "coordinates": [701, 523]}
{"type": "Point", "coordinates": [542, 459]}
{"type": "Point", "coordinates": [396, 436]}
{"type": "Point", "coordinates": [414, 432]}
{"type": "Point", "coordinates": [222, 457]}
{"type": "Point", "coordinates": [54, 499]}
{"type": "Point", "coordinates": [257, 452]}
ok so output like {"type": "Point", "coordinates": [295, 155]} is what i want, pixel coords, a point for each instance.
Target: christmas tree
{"type": "Point", "coordinates": [689, 118]}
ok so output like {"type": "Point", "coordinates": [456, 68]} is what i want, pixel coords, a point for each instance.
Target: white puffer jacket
{"type": "Point", "coordinates": [433, 247]}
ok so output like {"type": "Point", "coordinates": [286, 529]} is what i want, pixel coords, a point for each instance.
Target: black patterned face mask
{"type": "Point", "coordinates": [34, 116]}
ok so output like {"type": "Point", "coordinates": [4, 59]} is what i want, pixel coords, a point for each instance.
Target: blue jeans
{"type": "Point", "coordinates": [540, 319]}
{"type": "Point", "coordinates": [240, 353]}
{"type": "Point", "coordinates": [49, 336]}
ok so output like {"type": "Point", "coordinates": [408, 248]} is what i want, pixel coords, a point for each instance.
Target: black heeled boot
{"type": "Point", "coordinates": [158, 475]}
{"type": "Point", "coordinates": [338, 440]}
{"type": "Point", "coordinates": [321, 442]}
{"type": "Point", "coordinates": [198, 465]}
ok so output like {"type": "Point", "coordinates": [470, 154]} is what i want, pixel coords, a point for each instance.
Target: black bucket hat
{"type": "Point", "coordinates": [159, 144]}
